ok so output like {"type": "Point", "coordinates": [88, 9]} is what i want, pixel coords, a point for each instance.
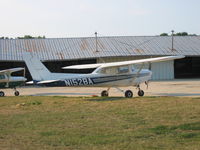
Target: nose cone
{"type": "Point", "coordinates": [150, 73]}
{"type": "Point", "coordinates": [146, 71]}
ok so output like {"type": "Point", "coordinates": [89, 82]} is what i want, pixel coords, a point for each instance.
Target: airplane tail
{"type": "Point", "coordinates": [36, 68]}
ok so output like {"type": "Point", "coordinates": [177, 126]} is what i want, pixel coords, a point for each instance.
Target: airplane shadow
{"type": "Point", "coordinates": [98, 99]}
{"type": "Point", "coordinates": [65, 94]}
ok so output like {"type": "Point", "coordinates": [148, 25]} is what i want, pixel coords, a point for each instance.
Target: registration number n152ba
{"type": "Point", "coordinates": [78, 82]}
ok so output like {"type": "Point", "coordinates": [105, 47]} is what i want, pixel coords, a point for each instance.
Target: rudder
{"type": "Point", "coordinates": [37, 69]}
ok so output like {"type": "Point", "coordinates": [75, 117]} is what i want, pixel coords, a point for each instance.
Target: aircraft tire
{"type": "Point", "coordinates": [104, 93]}
{"type": "Point", "coordinates": [2, 94]}
{"type": "Point", "coordinates": [128, 94]}
{"type": "Point", "coordinates": [16, 93]}
{"type": "Point", "coordinates": [140, 93]}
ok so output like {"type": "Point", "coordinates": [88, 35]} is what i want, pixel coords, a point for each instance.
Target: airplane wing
{"type": "Point", "coordinates": [122, 63]}
{"type": "Point", "coordinates": [9, 71]}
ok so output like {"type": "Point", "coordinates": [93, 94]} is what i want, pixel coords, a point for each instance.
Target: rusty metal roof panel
{"type": "Point", "coordinates": [85, 48]}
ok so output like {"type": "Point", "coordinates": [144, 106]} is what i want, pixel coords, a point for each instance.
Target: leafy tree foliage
{"type": "Point", "coordinates": [178, 34]}
{"type": "Point", "coordinates": [163, 34]}
{"type": "Point", "coordinates": [25, 37]}
{"type": "Point", "coordinates": [31, 37]}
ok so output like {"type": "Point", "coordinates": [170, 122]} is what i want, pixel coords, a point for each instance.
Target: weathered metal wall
{"type": "Point", "coordinates": [54, 49]}
{"type": "Point", "coordinates": [163, 70]}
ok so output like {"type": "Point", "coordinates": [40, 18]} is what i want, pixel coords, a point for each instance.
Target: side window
{"type": "Point", "coordinates": [123, 69]}
{"type": "Point", "coordinates": [132, 68]}
{"type": "Point", "coordinates": [109, 70]}
{"type": "Point", "coordinates": [103, 71]}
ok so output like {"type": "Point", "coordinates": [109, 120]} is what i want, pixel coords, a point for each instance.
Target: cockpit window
{"type": "Point", "coordinates": [123, 69]}
{"type": "Point", "coordinates": [114, 70]}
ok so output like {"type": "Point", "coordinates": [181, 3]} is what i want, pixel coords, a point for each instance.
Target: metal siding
{"type": "Point", "coordinates": [163, 70]}
{"type": "Point", "coordinates": [83, 48]}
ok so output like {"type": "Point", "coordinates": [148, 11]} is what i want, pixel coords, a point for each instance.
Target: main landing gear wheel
{"type": "Point", "coordinates": [16, 93]}
{"type": "Point", "coordinates": [140, 93]}
{"type": "Point", "coordinates": [128, 94]}
{"type": "Point", "coordinates": [104, 93]}
{"type": "Point", "coordinates": [2, 94]}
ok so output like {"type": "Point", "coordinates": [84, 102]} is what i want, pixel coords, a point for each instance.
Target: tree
{"type": "Point", "coordinates": [178, 34]}
{"type": "Point", "coordinates": [163, 34]}
{"type": "Point", "coordinates": [181, 34]}
{"type": "Point", "coordinates": [31, 37]}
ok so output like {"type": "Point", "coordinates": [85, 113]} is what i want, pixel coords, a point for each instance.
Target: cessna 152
{"type": "Point", "coordinates": [8, 81]}
{"type": "Point", "coordinates": [116, 74]}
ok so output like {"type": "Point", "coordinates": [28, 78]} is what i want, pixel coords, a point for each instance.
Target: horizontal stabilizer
{"type": "Point", "coordinates": [47, 81]}
{"type": "Point", "coordinates": [11, 70]}
{"type": "Point", "coordinates": [30, 82]}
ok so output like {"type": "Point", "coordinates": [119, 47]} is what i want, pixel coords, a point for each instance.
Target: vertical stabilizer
{"type": "Point", "coordinates": [36, 68]}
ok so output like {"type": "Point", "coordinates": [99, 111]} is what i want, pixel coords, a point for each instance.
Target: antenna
{"type": "Point", "coordinates": [172, 40]}
{"type": "Point", "coordinates": [96, 42]}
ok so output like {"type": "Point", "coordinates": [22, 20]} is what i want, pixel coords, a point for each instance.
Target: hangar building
{"type": "Point", "coordinates": [59, 52]}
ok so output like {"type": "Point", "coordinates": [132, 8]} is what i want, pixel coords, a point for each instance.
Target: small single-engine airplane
{"type": "Point", "coordinates": [116, 74]}
{"type": "Point", "coordinates": [8, 81]}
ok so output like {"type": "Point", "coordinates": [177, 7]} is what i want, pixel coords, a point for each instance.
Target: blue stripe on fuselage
{"type": "Point", "coordinates": [87, 81]}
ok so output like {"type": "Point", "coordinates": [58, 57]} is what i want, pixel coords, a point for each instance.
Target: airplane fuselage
{"type": "Point", "coordinates": [102, 80]}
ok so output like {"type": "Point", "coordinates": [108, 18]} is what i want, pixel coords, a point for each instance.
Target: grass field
{"type": "Point", "coordinates": [154, 123]}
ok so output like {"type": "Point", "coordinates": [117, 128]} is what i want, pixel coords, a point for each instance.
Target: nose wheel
{"type": "Point", "coordinates": [16, 93]}
{"type": "Point", "coordinates": [2, 94]}
{"type": "Point", "coordinates": [140, 93]}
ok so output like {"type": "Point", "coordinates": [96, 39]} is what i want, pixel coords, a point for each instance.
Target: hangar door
{"type": "Point", "coordinates": [188, 67]}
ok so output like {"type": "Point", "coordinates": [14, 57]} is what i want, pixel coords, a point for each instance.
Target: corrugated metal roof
{"type": "Point", "coordinates": [85, 48]}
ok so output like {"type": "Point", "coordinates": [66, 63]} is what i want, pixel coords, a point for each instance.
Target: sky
{"type": "Point", "coordinates": [82, 18]}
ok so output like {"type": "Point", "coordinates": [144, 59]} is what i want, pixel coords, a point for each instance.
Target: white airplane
{"type": "Point", "coordinates": [116, 74]}
{"type": "Point", "coordinates": [8, 81]}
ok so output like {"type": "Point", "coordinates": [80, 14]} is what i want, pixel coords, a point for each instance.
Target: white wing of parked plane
{"type": "Point", "coordinates": [9, 71]}
{"type": "Point", "coordinates": [122, 63]}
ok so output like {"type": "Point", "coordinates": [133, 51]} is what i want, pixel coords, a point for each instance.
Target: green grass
{"type": "Point", "coordinates": [96, 123]}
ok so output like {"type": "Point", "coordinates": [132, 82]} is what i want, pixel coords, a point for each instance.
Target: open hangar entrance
{"type": "Point", "coordinates": [53, 66]}
{"type": "Point", "coordinates": [188, 67]}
